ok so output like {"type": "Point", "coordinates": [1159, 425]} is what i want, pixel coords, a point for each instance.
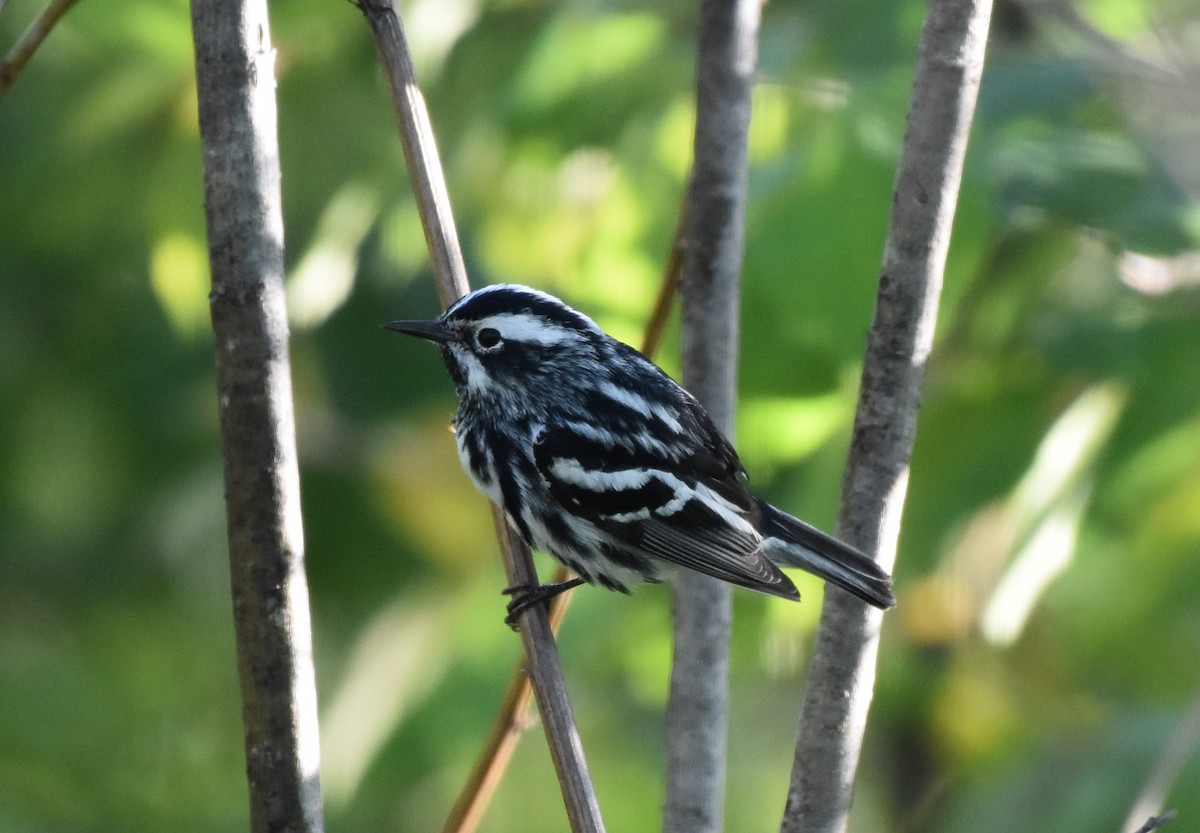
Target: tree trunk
{"type": "Point", "coordinates": [236, 89]}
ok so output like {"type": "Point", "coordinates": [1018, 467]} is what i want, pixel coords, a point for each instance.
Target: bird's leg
{"type": "Point", "coordinates": [525, 596]}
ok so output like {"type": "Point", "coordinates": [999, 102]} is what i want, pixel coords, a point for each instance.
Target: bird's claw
{"type": "Point", "coordinates": [525, 596]}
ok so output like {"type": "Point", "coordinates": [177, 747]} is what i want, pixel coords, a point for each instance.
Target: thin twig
{"type": "Point", "coordinates": [235, 83]}
{"type": "Point", "coordinates": [1155, 822]}
{"type": "Point", "coordinates": [420, 150]}
{"type": "Point", "coordinates": [657, 323]}
{"type": "Point", "coordinates": [842, 675]}
{"type": "Point", "coordinates": [566, 750]}
{"type": "Point", "coordinates": [433, 203]}
{"type": "Point", "coordinates": [1178, 750]}
{"type": "Point", "coordinates": [513, 716]}
{"type": "Point", "coordinates": [30, 40]}
{"type": "Point", "coordinates": [507, 729]}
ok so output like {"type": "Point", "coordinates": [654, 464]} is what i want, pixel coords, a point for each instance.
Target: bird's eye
{"type": "Point", "coordinates": [488, 337]}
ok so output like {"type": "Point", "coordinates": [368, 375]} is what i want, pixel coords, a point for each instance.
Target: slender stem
{"type": "Point", "coordinates": [433, 203]}
{"type": "Point", "coordinates": [420, 150]}
{"type": "Point", "coordinates": [657, 323]}
{"type": "Point", "coordinates": [566, 750]}
{"type": "Point", "coordinates": [1179, 749]}
{"type": "Point", "coordinates": [841, 679]}
{"type": "Point", "coordinates": [235, 81]}
{"type": "Point", "coordinates": [30, 40]}
{"type": "Point", "coordinates": [714, 238]}
{"type": "Point", "coordinates": [510, 724]}
{"type": "Point", "coordinates": [1155, 822]}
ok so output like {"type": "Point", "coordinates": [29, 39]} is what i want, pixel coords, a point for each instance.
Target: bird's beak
{"type": "Point", "coordinates": [431, 330]}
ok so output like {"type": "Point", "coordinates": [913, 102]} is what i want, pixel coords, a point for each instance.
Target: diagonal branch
{"type": "Point", "coordinates": [1179, 749]}
{"type": "Point", "coordinates": [30, 40]}
{"type": "Point", "coordinates": [420, 150]}
{"type": "Point", "coordinates": [433, 203]}
{"type": "Point", "coordinates": [511, 722]}
{"type": "Point", "coordinates": [840, 681]}
{"type": "Point", "coordinates": [1155, 822]}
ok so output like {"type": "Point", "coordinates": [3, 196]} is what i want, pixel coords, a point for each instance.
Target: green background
{"type": "Point", "coordinates": [1046, 647]}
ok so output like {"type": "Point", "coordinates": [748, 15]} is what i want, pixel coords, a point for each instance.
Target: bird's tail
{"type": "Point", "coordinates": [790, 542]}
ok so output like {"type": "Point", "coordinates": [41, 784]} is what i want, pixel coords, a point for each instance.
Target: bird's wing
{"type": "Point", "coordinates": [685, 505]}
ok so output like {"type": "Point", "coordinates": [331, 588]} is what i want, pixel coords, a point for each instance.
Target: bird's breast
{"type": "Point", "coordinates": [498, 457]}
{"type": "Point", "coordinates": [477, 458]}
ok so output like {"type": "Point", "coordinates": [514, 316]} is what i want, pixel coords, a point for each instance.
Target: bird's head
{"type": "Point", "coordinates": [511, 342]}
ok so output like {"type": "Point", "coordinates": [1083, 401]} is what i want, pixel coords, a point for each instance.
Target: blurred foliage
{"type": "Point", "coordinates": [1044, 652]}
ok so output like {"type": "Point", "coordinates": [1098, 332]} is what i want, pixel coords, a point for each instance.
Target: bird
{"type": "Point", "coordinates": [598, 458]}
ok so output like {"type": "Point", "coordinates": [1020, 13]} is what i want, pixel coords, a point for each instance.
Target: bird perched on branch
{"type": "Point", "coordinates": [600, 459]}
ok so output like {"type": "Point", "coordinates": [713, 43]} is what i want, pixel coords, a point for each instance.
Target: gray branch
{"type": "Point", "coordinates": [714, 236]}
{"type": "Point", "coordinates": [1155, 822]}
{"type": "Point", "coordinates": [420, 150]}
{"type": "Point", "coordinates": [840, 682]}
{"type": "Point", "coordinates": [236, 88]}
{"type": "Point", "coordinates": [433, 203]}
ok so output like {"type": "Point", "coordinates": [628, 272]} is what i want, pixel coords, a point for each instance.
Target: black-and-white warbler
{"type": "Point", "coordinates": [600, 459]}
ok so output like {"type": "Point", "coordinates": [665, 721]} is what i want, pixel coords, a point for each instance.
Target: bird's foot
{"type": "Point", "coordinates": [525, 596]}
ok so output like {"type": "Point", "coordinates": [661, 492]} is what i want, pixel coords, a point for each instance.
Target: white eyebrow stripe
{"type": "Point", "coordinates": [529, 329]}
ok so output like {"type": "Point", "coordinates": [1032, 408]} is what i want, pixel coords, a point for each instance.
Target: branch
{"type": "Point", "coordinates": [420, 150]}
{"type": "Point", "coordinates": [1155, 822]}
{"type": "Point", "coordinates": [433, 203]}
{"type": "Point", "coordinates": [1180, 747]}
{"type": "Point", "coordinates": [714, 237]}
{"type": "Point", "coordinates": [509, 725]}
{"type": "Point", "coordinates": [656, 325]}
{"type": "Point", "coordinates": [29, 41]}
{"type": "Point", "coordinates": [236, 92]}
{"type": "Point", "coordinates": [838, 693]}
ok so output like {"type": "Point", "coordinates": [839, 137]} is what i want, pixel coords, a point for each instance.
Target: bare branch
{"type": "Point", "coordinates": [235, 80]}
{"type": "Point", "coordinates": [838, 693]}
{"type": "Point", "coordinates": [30, 40]}
{"type": "Point", "coordinates": [566, 751]}
{"type": "Point", "coordinates": [510, 724]}
{"type": "Point", "coordinates": [1179, 749]}
{"type": "Point", "coordinates": [714, 237]}
{"type": "Point", "coordinates": [657, 323]}
{"type": "Point", "coordinates": [433, 203]}
{"type": "Point", "coordinates": [420, 150]}
{"type": "Point", "coordinates": [1155, 822]}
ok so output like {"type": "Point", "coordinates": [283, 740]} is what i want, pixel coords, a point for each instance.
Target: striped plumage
{"type": "Point", "coordinates": [597, 457]}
